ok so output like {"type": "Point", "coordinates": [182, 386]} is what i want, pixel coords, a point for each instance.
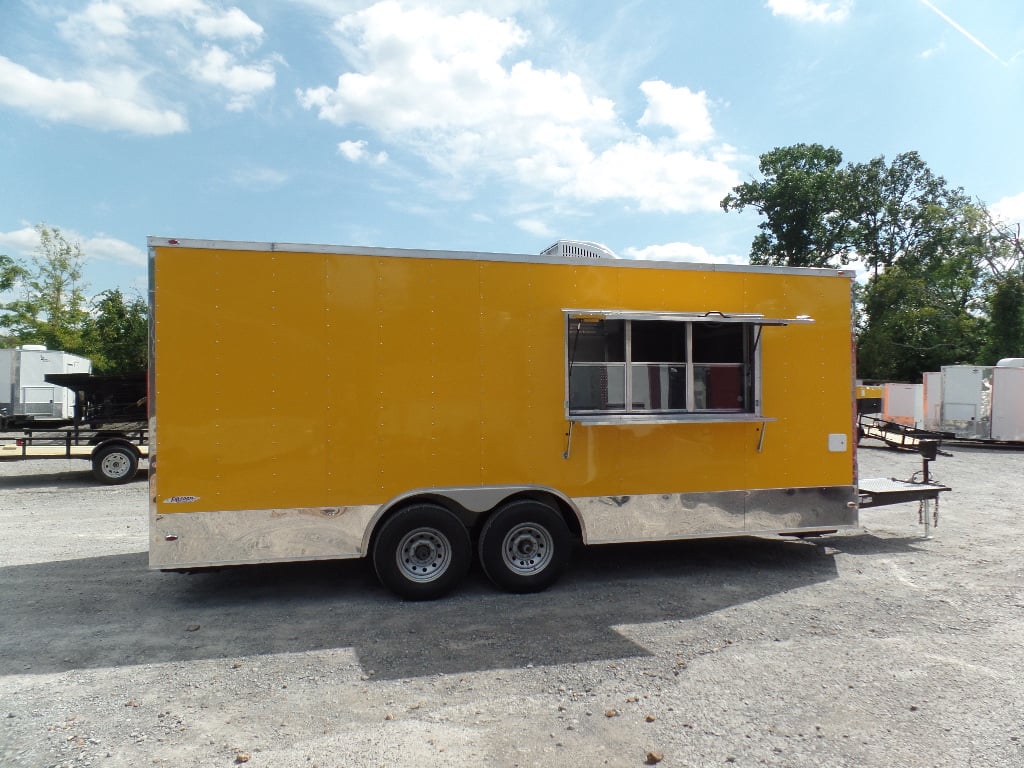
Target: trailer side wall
{"type": "Point", "coordinates": [304, 380]}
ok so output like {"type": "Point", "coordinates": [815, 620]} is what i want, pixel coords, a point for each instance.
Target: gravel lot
{"type": "Point", "coordinates": [873, 649]}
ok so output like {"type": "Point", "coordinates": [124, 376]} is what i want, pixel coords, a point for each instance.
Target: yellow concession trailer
{"type": "Point", "coordinates": [425, 408]}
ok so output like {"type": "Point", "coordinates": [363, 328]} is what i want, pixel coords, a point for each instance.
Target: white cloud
{"type": "Point", "coordinates": [259, 176]}
{"type": "Point", "coordinates": [232, 23]}
{"type": "Point", "coordinates": [108, 19]}
{"type": "Point", "coordinates": [829, 11]}
{"type": "Point", "coordinates": [22, 243]}
{"type": "Point", "coordinates": [218, 67]}
{"type": "Point", "coordinates": [440, 87]}
{"type": "Point", "coordinates": [158, 39]}
{"type": "Point", "coordinates": [681, 109]}
{"type": "Point", "coordinates": [356, 152]}
{"type": "Point", "coordinates": [103, 248]}
{"type": "Point", "coordinates": [19, 242]}
{"type": "Point", "coordinates": [656, 177]}
{"type": "Point", "coordinates": [82, 103]}
{"type": "Point", "coordinates": [1010, 209]}
{"type": "Point", "coordinates": [681, 252]}
{"type": "Point", "coordinates": [164, 7]}
{"type": "Point", "coordinates": [535, 227]}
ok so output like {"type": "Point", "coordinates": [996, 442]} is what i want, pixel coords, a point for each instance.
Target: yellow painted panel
{"type": "Point", "coordinates": [305, 379]}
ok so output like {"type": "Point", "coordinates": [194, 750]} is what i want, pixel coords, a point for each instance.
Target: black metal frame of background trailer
{"type": "Point", "coordinates": [70, 437]}
{"type": "Point", "coordinates": [99, 401]}
{"type": "Point", "coordinates": [103, 400]}
{"type": "Point", "coordinates": [896, 435]}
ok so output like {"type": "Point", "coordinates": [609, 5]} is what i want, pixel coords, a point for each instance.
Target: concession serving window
{"type": "Point", "coordinates": [625, 366]}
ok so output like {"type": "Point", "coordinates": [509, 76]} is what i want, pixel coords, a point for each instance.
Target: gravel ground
{"type": "Point", "coordinates": [877, 648]}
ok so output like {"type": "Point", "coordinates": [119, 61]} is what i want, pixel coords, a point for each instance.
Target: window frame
{"type": "Point", "coordinates": [753, 326]}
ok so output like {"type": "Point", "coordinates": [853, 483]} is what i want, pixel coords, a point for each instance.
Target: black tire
{"type": "Point", "coordinates": [524, 546]}
{"type": "Point", "coordinates": [115, 464]}
{"type": "Point", "coordinates": [422, 552]}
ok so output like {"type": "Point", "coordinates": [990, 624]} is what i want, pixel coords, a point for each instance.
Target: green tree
{"type": "Point", "coordinates": [118, 334]}
{"type": "Point", "coordinates": [51, 309]}
{"type": "Point", "coordinates": [923, 304]}
{"type": "Point", "coordinates": [1005, 337]}
{"type": "Point", "coordinates": [921, 312]}
{"type": "Point", "coordinates": [10, 272]}
{"type": "Point", "coordinates": [924, 243]}
{"type": "Point", "coordinates": [804, 198]}
{"type": "Point", "coordinates": [897, 208]}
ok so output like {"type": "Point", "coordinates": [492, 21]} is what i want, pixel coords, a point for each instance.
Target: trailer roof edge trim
{"type": "Point", "coordinates": [411, 253]}
{"type": "Point", "coordinates": [690, 317]}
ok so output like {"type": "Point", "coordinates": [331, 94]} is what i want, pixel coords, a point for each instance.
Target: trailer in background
{"type": "Point", "coordinates": [966, 401]}
{"type": "Point", "coordinates": [107, 400]}
{"type": "Point", "coordinates": [114, 455]}
{"type": "Point", "coordinates": [1008, 400]}
{"type": "Point", "coordinates": [869, 399]}
{"type": "Point", "coordinates": [902, 404]}
{"type": "Point", "coordinates": [26, 398]}
{"type": "Point", "coordinates": [983, 403]}
{"type": "Point", "coordinates": [931, 396]}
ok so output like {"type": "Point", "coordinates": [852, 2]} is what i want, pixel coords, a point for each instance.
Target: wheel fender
{"type": "Point", "coordinates": [121, 441]}
{"type": "Point", "coordinates": [470, 504]}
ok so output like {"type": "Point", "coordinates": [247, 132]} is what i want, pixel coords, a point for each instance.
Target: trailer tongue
{"type": "Point", "coordinates": [883, 491]}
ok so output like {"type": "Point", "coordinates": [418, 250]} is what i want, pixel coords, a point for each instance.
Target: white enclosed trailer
{"type": "Point", "coordinates": [931, 384]}
{"type": "Point", "coordinates": [903, 404]}
{"type": "Point", "coordinates": [967, 401]}
{"type": "Point", "coordinates": [1008, 400]}
{"type": "Point", "coordinates": [26, 398]}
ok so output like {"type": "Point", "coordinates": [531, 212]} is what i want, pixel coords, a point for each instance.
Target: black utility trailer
{"type": "Point", "coordinates": [109, 428]}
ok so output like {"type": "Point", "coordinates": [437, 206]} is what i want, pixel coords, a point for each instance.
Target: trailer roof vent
{"type": "Point", "coordinates": [578, 249]}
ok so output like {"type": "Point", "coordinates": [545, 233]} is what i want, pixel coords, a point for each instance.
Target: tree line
{"type": "Point", "coordinates": [944, 279]}
{"type": "Point", "coordinates": [51, 306]}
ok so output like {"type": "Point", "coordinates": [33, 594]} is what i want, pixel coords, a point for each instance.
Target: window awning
{"type": "Point", "coordinates": [594, 315]}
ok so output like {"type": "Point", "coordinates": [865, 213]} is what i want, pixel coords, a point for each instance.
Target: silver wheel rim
{"type": "Point", "coordinates": [423, 555]}
{"type": "Point", "coordinates": [527, 549]}
{"type": "Point", "coordinates": [115, 465]}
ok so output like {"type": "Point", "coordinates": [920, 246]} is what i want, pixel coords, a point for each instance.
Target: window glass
{"type": "Point", "coordinates": [718, 342]}
{"type": "Point", "coordinates": [659, 387]}
{"type": "Point", "coordinates": [658, 341]}
{"type": "Point", "coordinates": [598, 387]}
{"type": "Point", "coordinates": [660, 366]}
{"type": "Point", "coordinates": [719, 388]}
{"type": "Point", "coordinates": [603, 341]}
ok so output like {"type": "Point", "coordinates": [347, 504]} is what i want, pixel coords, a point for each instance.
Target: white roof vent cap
{"type": "Point", "coordinates": [578, 249]}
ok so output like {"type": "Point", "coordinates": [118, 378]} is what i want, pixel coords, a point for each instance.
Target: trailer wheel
{"type": "Point", "coordinates": [421, 552]}
{"type": "Point", "coordinates": [115, 464]}
{"type": "Point", "coordinates": [524, 546]}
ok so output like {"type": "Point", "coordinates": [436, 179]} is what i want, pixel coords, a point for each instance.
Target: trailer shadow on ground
{"type": "Point", "coordinates": [111, 611]}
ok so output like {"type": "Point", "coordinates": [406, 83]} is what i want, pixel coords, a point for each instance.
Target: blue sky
{"type": "Point", "coordinates": [436, 124]}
